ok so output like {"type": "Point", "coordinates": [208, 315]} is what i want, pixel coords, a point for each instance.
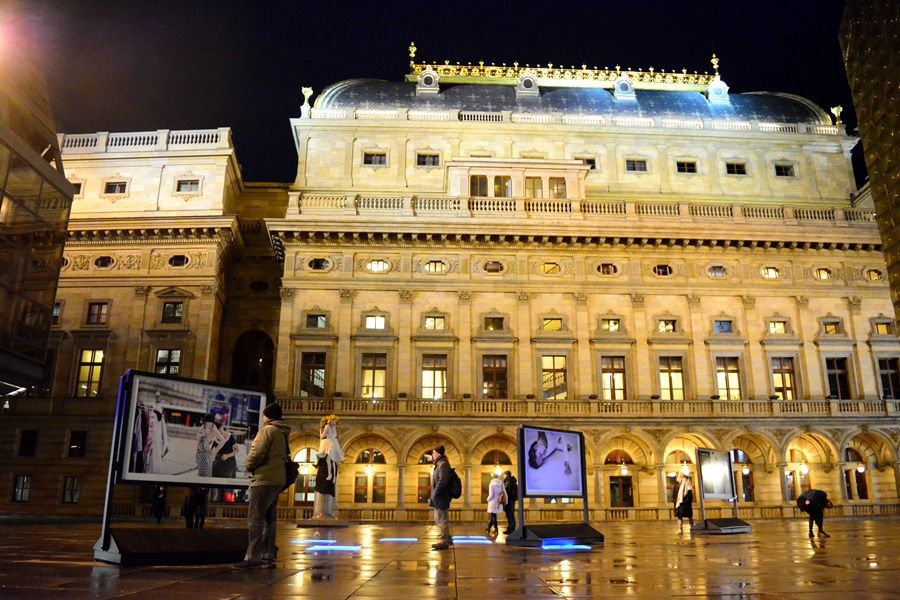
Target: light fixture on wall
{"type": "Point", "coordinates": [369, 470]}
{"type": "Point", "coordinates": [498, 470]}
{"type": "Point", "coordinates": [745, 470]}
{"type": "Point", "coordinates": [804, 469]}
{"type": "Point", "coordinates": [861, 468]}
{"type": "Point", "coordinates": [623, 469]}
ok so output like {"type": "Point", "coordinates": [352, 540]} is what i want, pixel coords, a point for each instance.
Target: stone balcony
{"type": "Point", "coordinates": [143, 141]}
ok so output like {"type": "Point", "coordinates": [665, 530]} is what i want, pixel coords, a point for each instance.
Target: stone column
{"type": "Point", "coordinates": [598, 487]}
{"type": "Point", "coordinates": [283, 367]}
{"type": "Point", "coordinates": [661, 482]}
{"type": "Point", "coordinates": [134, 341]}
{"type": "Point", "coordinates": [526, 366]}
{"type": "Point", "coordinates": [467, 488]}
{"type": "Point", "coordinates": [466, 367]}
{"type": "Point", "coordinates": [810, 369]}
{"type": "Point", "coordinates": [583, 349]}
{"type": "Point", "coordinates": [782, 476]}
{"type": "Point", "coordinates": [206, 363]}
{"type": "Point", "coordinates": [401, 471]}
{"type": "Point", "coordinates": [703, 380]}
{"type": "Point", "coordinates": [756, 358]}
{"type": "Point", "coordinates": [642, 386]}
{"type": "Point", "coordinates": [344, 377]}
{"type": "Point", "coordinates": [406, 362]}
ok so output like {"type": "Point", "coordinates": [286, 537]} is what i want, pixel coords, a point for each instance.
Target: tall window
{"type": "Point", "coordinates": [783, 378]}
{"type": "Point", "coordinates": [312, 375]}
{"type": "Point", "coordinates": [838, 378]}
{"type": "Point", "coordinates": [90, 368]}
{"type": "Point", "coordinates": [855, 485]}
{"type": "Point", "coordinates": [168, 362]}
{"type": "Point", "coordinates": [612, 377]}
{"type": "Point", "coordinates": [373, 375]}
{"type": "Point", "coordinates": [379, 488]}
{"type": "Point", "coordinates": [478, 185]}
{"type": "Point", "coordinates": [494, 376]}
{"type": "Point", "coordinates": [621, 494]}
{"type": "Point", "coordinates": [558, 187]}
{"type": "Point", "coordinates": [98, 313]}
{"type": "Point", "coordinates": [361, 488]}
{"type": "Point", "coordinates": [305, 488]}
{"type": "Point", "coordinates": [71, 490]}
{"type": "Point", "coordinates": [553, 377]}
{"type": "Point", "coordinates": [743, 475]}
{"type": "Point", "coordinates": [28, 442]}
{"type": "Point", "coordinates": [502, 186]}
{"type": "Point", "coordinates": [671, 378]}
{"type": "Point", "coordinates": [534, 187]}
{"type": "Point", "coordinates": [434, 376]}
{"type": "Point", "coordinates": [173, 312]}
{"type": "Point", "coordinates": [728, 378]}
{"type": "Point", "coordinates": [22, 488]}
{"type": "Point", "coordinates": [889, 371]}
{"type": "Point", "coordinates": [423, 489]}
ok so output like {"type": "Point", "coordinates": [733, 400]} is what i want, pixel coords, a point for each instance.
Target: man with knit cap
{"type": "Point", "coordinates": [440, 496]}
{"type": "Point", "coordinates": [265, 463]}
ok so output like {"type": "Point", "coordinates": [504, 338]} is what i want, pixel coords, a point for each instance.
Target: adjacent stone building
{"type": "Point", "coordinates": [639, 255]}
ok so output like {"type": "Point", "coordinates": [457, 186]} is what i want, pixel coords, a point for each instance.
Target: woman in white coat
{"type": "Point", "coordinates": [495, 501]}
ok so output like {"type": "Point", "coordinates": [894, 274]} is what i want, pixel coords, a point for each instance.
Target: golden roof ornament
{"type": "Point", "coordinates": [412, 54]}
{"type": "Point", "coordinates": [715, 63]}
{"type": "Point", "coordinates": [836, 111]}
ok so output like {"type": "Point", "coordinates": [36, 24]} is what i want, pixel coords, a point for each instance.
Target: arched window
{"type": "Point", "coordinates": [856, 486]}
{"type": "Point", "coordinates": [305, 455]}
{"type": "Point", "coordinates": [852, 455]}
{"type": "Point", "coordinates": [496, 457]}
{"type": "Point", "coordinates": [743, 474]}
{"type": "Point", "coordinates": [618, 457]}
{"type": "Point", "coordinates": [678, 457]}
{"type": "Point", "coordinates": [252, 360]}
{"type": "Point", "coordinates": [370, 456]}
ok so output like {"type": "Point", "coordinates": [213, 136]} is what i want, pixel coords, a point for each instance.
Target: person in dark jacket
{"type": "Point", "coordinates": [511, 486]}
{"type": "Point", "coordinates": [814, 503]}
{"type": "Point", "coordinates": [159, 502]}
{"type": "Point", "coordinates": [684, 501]}
{"type": "Point", "coordinates": [440, 496]}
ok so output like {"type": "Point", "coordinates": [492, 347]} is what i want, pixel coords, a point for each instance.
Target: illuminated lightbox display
{"type": "Point", "coordinates": [717, 480]}
{"type": "Point", "coordinates": [183, 431]}
{"type": "Point", "coordinates": [553, 462]}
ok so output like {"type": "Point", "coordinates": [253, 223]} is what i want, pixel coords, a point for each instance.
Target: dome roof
{"type": "Point", "coordinates": [756, 106]}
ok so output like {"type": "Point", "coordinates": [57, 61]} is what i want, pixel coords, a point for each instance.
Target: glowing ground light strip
{"type": "Point", "coordinates": [472, 540]}
{"type": "Point", "coordinates": [333, 548]}
{"type": "Point", "coordinates": [469, 537]}
{"type": "Point", "coordinates": [565, 547]}
{"type": "Point", "coordinates": [399, 540]}
{"type": "Point", "coordinates": [301, 541]}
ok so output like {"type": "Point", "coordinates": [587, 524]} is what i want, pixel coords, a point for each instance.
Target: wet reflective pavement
{"type": "Point", "coordinates": [639, 560]}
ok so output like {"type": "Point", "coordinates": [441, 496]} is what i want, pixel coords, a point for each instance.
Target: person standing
{"type": "Point", "coordinates": [188, 507]}
{"type": "Point", "coordinates": [159, 502]}
{"type": "Point", "coordinates": [265, 463]}
{"type": "Point", "coordinates": [200, 500]}
{"type": "Point", "coordinates": [684, 501]}
{"type": "Point", "coordinates": [440, 496]}
{"type": "Point", "coordinates": [496, 500]}
{"type": "Point", "coordinates": [511, 486]}
{"type": "Point", "coordinates": [814, 503]}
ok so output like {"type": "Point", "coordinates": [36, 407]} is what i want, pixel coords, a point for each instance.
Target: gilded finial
{"type": "Point", "coordinates": [715, 63]}
{"type": "Point", "coordinates": [412, 50]}
{"type": "Point", "coordinates": [836, 111]}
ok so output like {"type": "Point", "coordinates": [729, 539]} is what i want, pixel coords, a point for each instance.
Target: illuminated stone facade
{"type": "Point", "coordinates": [663, 268]}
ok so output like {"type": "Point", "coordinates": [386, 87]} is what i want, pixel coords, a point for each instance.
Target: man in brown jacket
{"type": "Point", "coordinates": [265, 463]}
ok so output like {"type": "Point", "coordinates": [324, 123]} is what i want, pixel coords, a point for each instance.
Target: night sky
{"type": "Point", "coordinates": [144, 65]}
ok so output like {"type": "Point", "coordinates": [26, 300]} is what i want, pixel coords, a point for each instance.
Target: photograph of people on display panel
{"type": "Point", "coordinates": [553, 462]}
{"type": "Point", "coordinates": [188, 432]}
{"type": "Point", "coordinates": [716, 475]}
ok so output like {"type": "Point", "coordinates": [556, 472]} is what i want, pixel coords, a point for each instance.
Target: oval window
{"type": "Point", "coordinates": [103, 262]}
{"type": "Point", "coordinates": [378, 265]}
{"type": "Point", "coordinates": [527, 84]}
{"type": "Point", "coordinates": [551, 268]}
{"type": "Point", "coordinates": [319, 264]}
{"type": "Point", "coordinates": [65, 263]}
{"type": "Point", "coordinates": [607, 269]}
{"type": "Point", "coordinates": [874, 275]}
{"type": "Point", "coordinates": [769, 272]}
{"type": "Point", "coordinates": [493, 266]}
{"type": "Point", "coordinates": [662, 270]}
{"type": "Point", "coordinates": [822, 274]}
{"type": "Point", "coordinates": [258, 286]}
{"type": "Point", "coordinates": [179, 260]}
{"type": "Point", "coordinates": [428, 80]}
{"type": "Point", "coordinates": [717, 271]}
{"type": "Point", "coordinates": [435, 266]}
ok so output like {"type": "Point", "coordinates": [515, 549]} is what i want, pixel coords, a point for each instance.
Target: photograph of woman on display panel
{"type": "Point", "coordinates": [715, 474]}
{"type": "Point", "coordinates": [188, 432]}
{"type": "Point", "coordinates": [552, 462]}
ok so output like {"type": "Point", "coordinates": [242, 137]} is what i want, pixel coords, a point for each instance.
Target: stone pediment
{"type": "Point", "coordinates": [174, 292]}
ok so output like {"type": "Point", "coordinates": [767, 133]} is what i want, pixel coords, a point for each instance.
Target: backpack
{"type": "Point", "coordinates": [291, 468]}
{"type": "Point", "coordinates": [454, 485]}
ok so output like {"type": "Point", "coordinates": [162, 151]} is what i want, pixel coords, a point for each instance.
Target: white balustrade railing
{"type": "Point", "coordinates": [481, 117]}
{"type": "Point", "coordinates": [81, 141]}
{"type": "Point", "coordinates": [322, 201]}
{"type": "Point", "coordinates": [655, 209]}
{"type": "Point", "coordinates": [379, 203]}
{"type": "Point", "coordinates": [583, 120]}
{"type": "Point", "coordinates": [545, 206]}
{"type": "Point", "coordinates": [779, 127]}
{"type": "Point", "coordinates": [859, 215]}
{"type": "Point", "coordinates": [814, 214]}
{"type": "Point", "coordinates": [147, 139]}
{"type": "Point", "coordinates": [133, 141]}
{"type": "Point", "coordinates": [603, 208]}
{"type": "Point", "coordinates": [730, 125]}
{"type": "Point", "coordinates": [681, 124]}
{"type": "Point", "coordinates": [716, 211]}
{"type": "Point", "coordinates": [195, 137]}
{"type": "Point", "coordinates": [440, 204]}
{"type": "Point", "coordinates": [764, 212]}
{"type": "Point", "coordinates": [492, 205]}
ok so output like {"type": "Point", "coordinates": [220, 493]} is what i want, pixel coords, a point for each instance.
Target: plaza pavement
{"type": "Point", "coordinates": [638, 560]}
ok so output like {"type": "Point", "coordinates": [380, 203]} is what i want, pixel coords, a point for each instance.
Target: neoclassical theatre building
{"type": "Point", "coordinates": [640, 255]}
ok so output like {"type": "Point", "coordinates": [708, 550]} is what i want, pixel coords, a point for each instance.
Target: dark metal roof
{"type": "Point", "coordinates": [756, 106]}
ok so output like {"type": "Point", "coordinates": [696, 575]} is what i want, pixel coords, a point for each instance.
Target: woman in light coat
{"type": "Point", "coordinates": [495, 501]}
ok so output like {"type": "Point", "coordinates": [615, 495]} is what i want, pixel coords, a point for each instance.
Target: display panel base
{"type": "Point", "coordinates": [166, 546]}
{"type": "Point", "coordinates": [721, 527]}
{"type": "Point", "coordinates": [538, 535]}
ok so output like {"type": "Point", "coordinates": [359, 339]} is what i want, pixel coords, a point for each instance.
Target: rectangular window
{"type": "Point", "coordinates": [434, 376]}
{"type": "Point", "coordinates": [784, 170]}
{"type": "Point", "coordinates": [884, 328]}
{"type": "Point", "coordinates": [552, 324]}
{"type": "Point", "coordinates": [553, 377]}
{"type": "Point", "coordinates": [728, 378]}
{"type": "Point", "coordinates": [493, 323]}
{"type": "Point", "coordinates": [374, 321]}
{"type": "Point", "coordinates": [168, 362]}
{"type": "Point", "coordinates": [55, 313]}
{"type": "Point", "coordinates": [77, 189]}
{"type": "Point", "coordinates": [502, 186]}
{"type": "Point", "coordinates": [188, 185]}
{"type": "Point", "coordinates": [173, 312]}
{"type": "Point", "coordinates": [71, 490]}
{"type": "Point", "coordinates": [610, 325]}
{"type": "Point", "coordinates": [636, 165]}
{"type": "Point", "coordinates": [427, 159]}
{"type": "Point", "coordinates": [671, 378]}
{"type": "Point", "coordinates": [434, 323]}
{"type": "Point", "coordinates": [77, 444]}
{"type": "Point", "coordinates": [666, 326]}
{"type": "Point", "coordinates": [621, 494]}
{"type": "Point", "coordinates": [373, 375]}
{"type": "Point", "coordinates": [361, 488]}
{"type": "Point", "coordinates": [889, 371]}
{"type": "Point", "coordinates": [747, 494]}
{"type": "Point", "coordinates": [22, 488]}
{"type": "Point", "coordinates": [534, 187]}
{"type": "Point", "coordinates": [735, 168]}
{"type": "Point", "coordinates": [90, 368]}
{"type": "Point", "coordinates": [375, 158]}
{"type": "Point", "coordinates": [98, 313]}
{"type": "Point", "coordinates": [612, 377]}
{"type": "Point", "coordinates": [305, 489]}
{"type": "Point", "coordinates": [316, 321]}
{"type": "Point", "coordinates": [722, 327]}
{"type": "Point", "coordinates": [558, 188]}
{"type": "Point", "coordinates": [478, 185]}
{"type": "Point", "coordinates": [831, 327]}
{"type": "Point", "coordinates": [838, 378]}
{"type": "Point", "coordinates": [591, 162]}
{"type": "Point", "coordinates": [379, 488]}
{"type": "Point", "coordinates": [423, 489]}
{"type": "Point", "coordinates": [494, 376]}
{"type": "Point", "coordinates": [312, 375]}
{"type": "Point", "coordinates": [783, 378]}
{"type": "Point", "coordinates": [115, 187]}
{"type": "Point", "coordinates": [777, 327]}
{"type": "Point", "coordinates": [28, 442]}
{"type": "Point", "coordinates": [686, 166]}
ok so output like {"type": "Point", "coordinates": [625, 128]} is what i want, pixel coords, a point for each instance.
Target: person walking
{"type": "Point", "coordinates": [496, 500]}
{"type": "Point", "coordinates": [265, 463]}
{"type": "Point", "coordinates": [440, 496]}
{"type": "Point", "coordinates": [814, 503]}
{"type": "Point", "coordinates": [511, 487]}
{"type": "Point", "coordinates": [684, 501]}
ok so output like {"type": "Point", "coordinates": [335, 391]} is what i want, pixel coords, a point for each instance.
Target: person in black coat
{"type": "Point", "coordinates": [511, 487]}
{"type": "Point", "coordinates": [814, 503]}
{"type": "Point", "coordinates": [158, 506]}
{"type": "Point", "coordinates": [684, 501]}
{"type": "Point", "coordinates": [440, 496]}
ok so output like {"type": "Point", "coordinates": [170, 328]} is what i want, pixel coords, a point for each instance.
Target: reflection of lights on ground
{"type": "Point", "coordinates": [399, 539]}
{"type": "Point", "coordinates": [472, 542]}
{"type": "Point", "coordinates": [333, 548]}
{"type": "Point", "coordinates": [313, 541]}
{"type": "Point", "coordinates": [565, 547]}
